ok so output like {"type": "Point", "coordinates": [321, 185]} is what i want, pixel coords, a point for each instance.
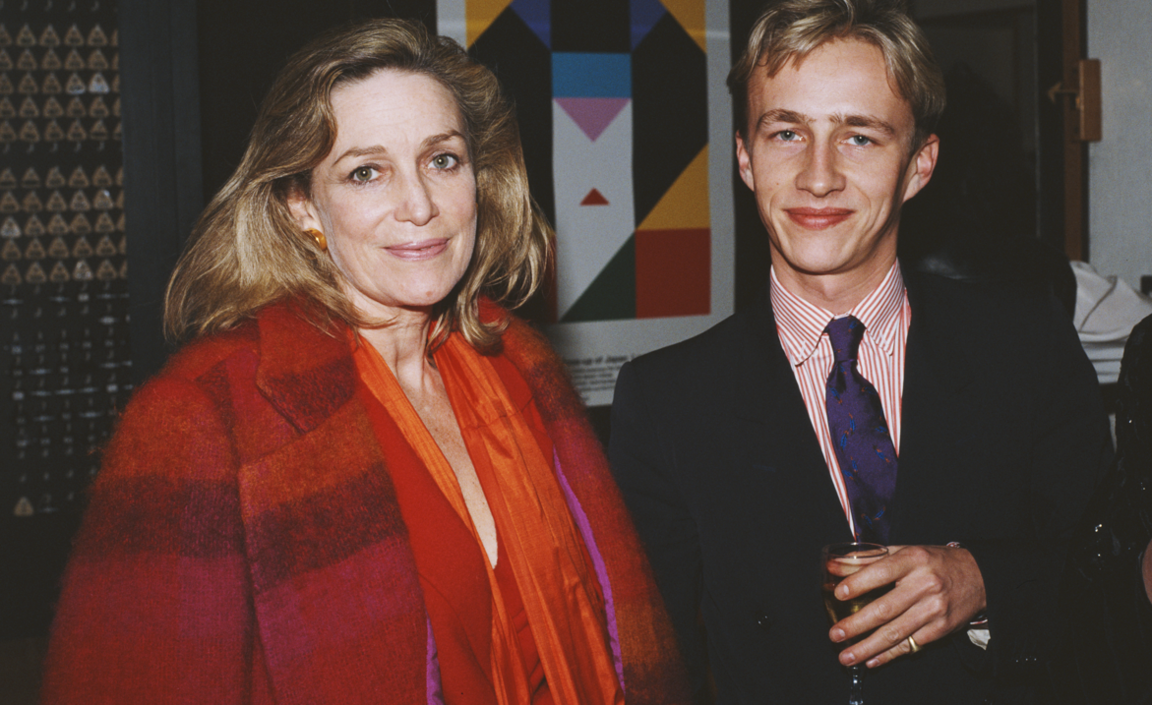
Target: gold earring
{"type": "Point", "coordinates": [321, 241]}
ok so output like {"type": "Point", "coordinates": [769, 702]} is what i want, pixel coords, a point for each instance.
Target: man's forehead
{"type": "Point", "coordinates": [848, 77]}
{"type": "Point", "coordinates": [781, 58]}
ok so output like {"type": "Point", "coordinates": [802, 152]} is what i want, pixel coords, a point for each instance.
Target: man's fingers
{"type": "Point", "coordinates": [870, 577]}
{"type": "Point", "coordinates": [900, 562]}
{"type": "Point", "coordinates": [907, 647]}
{"type": "Point", "coordinates": [883, 610]}
{"type": "Point", "coordinates": [890, 641]}
{"type": "Point", "coordinates": [936, 591]}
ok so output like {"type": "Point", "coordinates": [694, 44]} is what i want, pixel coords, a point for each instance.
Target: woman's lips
{"type": "Point", "coordinates": [417, 251]}
{"type": "Point", "coordinates": [818, 218]}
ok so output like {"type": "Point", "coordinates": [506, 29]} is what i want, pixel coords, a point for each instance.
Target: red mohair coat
{"type": "Point", "coordinates": [243, 542]}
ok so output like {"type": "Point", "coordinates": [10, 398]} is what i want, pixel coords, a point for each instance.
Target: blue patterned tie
{"type": "Point", "coordinates": [860, 435]}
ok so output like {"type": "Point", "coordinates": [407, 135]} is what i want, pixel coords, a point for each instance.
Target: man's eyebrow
{"type": "Point", "coordinates": [792, 117]}
{"type": "Point", "coordinates": [865, 121]}
{"type": "Point", "coordinates": [782, 115]}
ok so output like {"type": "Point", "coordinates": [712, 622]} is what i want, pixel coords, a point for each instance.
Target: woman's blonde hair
{"type": "Point", "coordinates": [791, 29]}
{"type": "Point", "coordinates": [247, 251]}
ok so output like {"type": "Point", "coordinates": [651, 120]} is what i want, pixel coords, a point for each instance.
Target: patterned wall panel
{"type": "Point", "coordinates": [64, 340]}
{"type": "Point", "coordinates": [613, 105]}
{"type": "Point", "coordinates": [618, 102]}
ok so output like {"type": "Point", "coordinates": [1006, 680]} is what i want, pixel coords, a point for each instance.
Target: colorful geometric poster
{"type": "Point", "coordinates": [627, 135]}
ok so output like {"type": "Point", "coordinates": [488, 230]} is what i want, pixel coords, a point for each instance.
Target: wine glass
{"type": "Point", "coordinates": [838, 561]}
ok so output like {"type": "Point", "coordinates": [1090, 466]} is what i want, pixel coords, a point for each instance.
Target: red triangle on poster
{"type": "Point", "coordinates": [594, 198]}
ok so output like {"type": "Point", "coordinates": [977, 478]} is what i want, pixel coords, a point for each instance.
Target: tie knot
{"type": "Point", "coordinates": [845, 335]}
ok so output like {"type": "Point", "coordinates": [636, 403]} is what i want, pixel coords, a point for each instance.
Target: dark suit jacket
{"type": "Point", "coordinates": [1002, 442]}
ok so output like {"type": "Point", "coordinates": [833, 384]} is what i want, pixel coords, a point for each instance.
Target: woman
{"type": "Point", "coordinates": [364, 482]}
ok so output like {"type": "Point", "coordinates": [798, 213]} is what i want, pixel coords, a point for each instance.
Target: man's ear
{"type": "Point", "coordinates": [744, 160]}
{"type": "Point", "coordinates": [302, 210]}
{"type": "Point", "coordinates": [921, 166]}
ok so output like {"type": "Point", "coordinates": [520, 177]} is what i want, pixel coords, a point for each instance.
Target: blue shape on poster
{"type": "Point", "coordinates": [645, 15]}
{"type": "Point", "coordinates": [591, 75]}
{"type": "Point", "coordinates": [537, 14]}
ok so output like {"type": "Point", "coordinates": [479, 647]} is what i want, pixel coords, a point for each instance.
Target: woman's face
{"type": "Point", "coordinates": [396, 196]}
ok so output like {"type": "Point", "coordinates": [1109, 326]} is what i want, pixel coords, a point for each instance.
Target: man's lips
{"type": "Point", "coordinates": [417, 251]}
{"type": "Point", "coordinates": [818, 218]}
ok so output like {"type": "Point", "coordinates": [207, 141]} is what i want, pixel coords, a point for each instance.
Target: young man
{"type": "Point", "coordinates": [958, 424]}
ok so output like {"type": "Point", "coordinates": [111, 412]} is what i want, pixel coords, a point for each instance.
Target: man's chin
{"type": "Point", "coordinates": [814, 264]}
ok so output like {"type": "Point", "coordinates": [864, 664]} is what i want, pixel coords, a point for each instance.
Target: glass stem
{"type": "Point", "coordinates": [856, 688]}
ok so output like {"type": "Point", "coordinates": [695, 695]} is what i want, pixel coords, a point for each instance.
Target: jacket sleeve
{"type": "Point", "coordinates": [156, 604]}
{"type": "Point", "coordinates": [643, 471]}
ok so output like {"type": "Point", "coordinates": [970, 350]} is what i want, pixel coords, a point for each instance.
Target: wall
{"type": "Point", "coordinates": [1120, 165]}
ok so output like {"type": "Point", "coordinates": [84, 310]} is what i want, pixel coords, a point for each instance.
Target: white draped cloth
{"type": "Point", "coordinates": [1106, 311]}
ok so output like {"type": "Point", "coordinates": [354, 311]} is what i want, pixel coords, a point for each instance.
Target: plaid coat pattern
{"type": "Point", "coordinates": [243, 543]}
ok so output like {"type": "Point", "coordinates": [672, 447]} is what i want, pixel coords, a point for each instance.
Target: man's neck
{"type": "Point", "coordinates": [837, 293]}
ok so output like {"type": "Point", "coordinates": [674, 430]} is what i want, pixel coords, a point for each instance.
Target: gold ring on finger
{"type": "Point", "coordinates": [913, 647]}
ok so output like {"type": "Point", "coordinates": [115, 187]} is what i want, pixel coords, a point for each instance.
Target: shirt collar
{"type": "Point", "coordinates": [801, 324]}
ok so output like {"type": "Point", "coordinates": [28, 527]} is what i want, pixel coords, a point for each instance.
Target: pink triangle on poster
{"type": "Point", "coordinates": [593, 115]}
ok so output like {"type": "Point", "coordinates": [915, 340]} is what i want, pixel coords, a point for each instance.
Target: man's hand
{"type": "Point", "coordinates": [938, 590]}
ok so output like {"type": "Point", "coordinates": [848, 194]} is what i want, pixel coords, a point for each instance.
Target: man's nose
{"type": "Point", "coordinates": [820, 174]}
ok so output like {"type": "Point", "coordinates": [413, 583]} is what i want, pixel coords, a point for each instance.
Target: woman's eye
{"type": "Point", "coordinates": [444, 161]}
{"type": "Point", "coordinates": [363, 173]}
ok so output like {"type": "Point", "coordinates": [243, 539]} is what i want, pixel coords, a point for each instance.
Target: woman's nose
{"type": "Point", "coordinates": [417, 205]}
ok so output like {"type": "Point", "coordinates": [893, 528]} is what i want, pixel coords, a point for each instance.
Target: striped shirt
{"type": "Point", "coordinates": [885, 314]}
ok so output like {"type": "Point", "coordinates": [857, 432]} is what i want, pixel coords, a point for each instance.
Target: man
{"type": "Point", "coordinates": [986, 430]}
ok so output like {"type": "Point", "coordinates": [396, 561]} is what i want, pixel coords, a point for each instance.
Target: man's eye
{"type": "Point", "coordinates": [444, 161]}
{"type": "Point", "coordinates": [860, 140]}
{"type": "Point", "coordinates": [786, 135]}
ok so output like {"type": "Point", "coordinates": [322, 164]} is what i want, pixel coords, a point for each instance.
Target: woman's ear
{"type": "Point", "coordinates": [302, 210]}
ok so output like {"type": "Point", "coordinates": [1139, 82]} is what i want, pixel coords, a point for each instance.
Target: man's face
{"type": "Point", "coordinates": [828, 155]}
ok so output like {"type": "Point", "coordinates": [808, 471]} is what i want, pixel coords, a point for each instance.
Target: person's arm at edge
{"type": "Point", "coordinates": [162, 534]}
{"type": "Point", "coordinates": [641, 465]}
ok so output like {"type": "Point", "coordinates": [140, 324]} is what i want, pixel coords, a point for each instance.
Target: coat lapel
{"type": "Point", "coordinates": [306, 374]}
{"type": "Point", "coordinates": [769, 398]}
{"type": "Point", "coordinates": [936, 371]}
{"type": "Point", "coordinates": [335, 587]}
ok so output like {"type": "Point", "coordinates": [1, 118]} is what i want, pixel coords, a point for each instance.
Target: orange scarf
{"type": "Point", "coordinates": [535, 530]}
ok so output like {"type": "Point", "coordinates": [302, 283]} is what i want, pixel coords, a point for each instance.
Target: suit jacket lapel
{"type": "Point", "coordinates": [935, 373]}
{"type": "Point", "coordinates": [768, 396]}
